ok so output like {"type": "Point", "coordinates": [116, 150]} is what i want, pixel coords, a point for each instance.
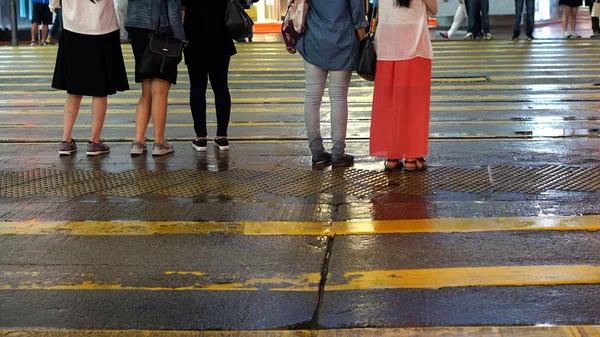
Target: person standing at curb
{"type": "Point", "coordinates": [529, 21]}
{"type": "Point", "coordinates": [570, 9]}
{"type": "Point", "coordinates": [459, 18]}
{"type": "Point", "coordinates": [475, 9]}
{"type": "Point", "coordinates": [595, 19]}
{"type": "Point", "coordinates": [41, 16]}
{"type": "Point", "coordinates": [89, 63]}
{"type": "Point", "coordinates": [402, 94]}
{"type": "Point", "coordinates": [329, 48]}
{"type": "Point", "coordinates": [201, 17]}
{"type": "Point", "coordinates": [145, 17]}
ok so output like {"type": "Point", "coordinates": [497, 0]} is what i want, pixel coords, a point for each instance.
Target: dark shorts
{"type": "Point", "coordinates": [41, 14]}
{"type": "Point", "coordinates": [140, 39]}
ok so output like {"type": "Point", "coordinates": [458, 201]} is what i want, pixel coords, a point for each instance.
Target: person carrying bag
{"type": "Point", "coordinates": [157, 38]}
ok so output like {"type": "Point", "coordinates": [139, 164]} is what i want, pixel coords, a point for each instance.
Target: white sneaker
{"type": "Point", "coordinates": [567, 35]}
{"type": "Point", "coordinates": [488, 36]}
{"type": "Point", "coordinates": [575, 35]}
{"type": "Point", "coordinates": [469, 36]}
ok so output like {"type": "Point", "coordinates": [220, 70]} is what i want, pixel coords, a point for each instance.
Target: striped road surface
{"type": "Point", "coordinates": [443, 262]}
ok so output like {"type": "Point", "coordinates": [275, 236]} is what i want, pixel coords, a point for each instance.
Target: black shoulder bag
{"type": "Point", "coordinates": [367, 58]}
{"type": "Point", "coordinates": [238, 22]}
{"type": "Point", "coordinates": [163, 52]}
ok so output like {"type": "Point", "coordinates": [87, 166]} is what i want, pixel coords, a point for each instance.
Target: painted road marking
{"type": "Point", "coordinates": [357, 227]}
{"type": "Point", "coordinates": [433, 278]}
{"type": "Point", "coordinates": [542, 98]}
{"type": "Point", "coordinates": [487, 331]}
{"type": "Point", "coordinates": [571, 106]}
{"type": "Point", "coordinates": [268, 124]}
{"type": "Point", "coordinates": [367, 89]}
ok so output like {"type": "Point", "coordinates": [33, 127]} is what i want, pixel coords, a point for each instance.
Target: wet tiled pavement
{"type": "Point", "coordinates": [500, 231]}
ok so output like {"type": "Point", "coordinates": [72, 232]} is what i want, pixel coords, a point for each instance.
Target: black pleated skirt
{"type": "Point", "coordinates": [90, 65]}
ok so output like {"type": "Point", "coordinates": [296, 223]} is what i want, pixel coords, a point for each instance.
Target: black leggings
{"type": "Point", "coordinates": [200, 72]}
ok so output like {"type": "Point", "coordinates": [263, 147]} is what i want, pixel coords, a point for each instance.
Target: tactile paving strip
{"type": "Point", "coordinates": [292, 182]}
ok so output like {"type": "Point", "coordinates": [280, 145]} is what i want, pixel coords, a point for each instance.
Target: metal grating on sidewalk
{"type": "Point", "coordinates": [292, 182]}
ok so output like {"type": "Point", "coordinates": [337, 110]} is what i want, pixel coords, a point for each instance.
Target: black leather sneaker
{"type": "Point", "coordinates": [346, 160]}
{"type": "Point", "coordinates": [322, 159]}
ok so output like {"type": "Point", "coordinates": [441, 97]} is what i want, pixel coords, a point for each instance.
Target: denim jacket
{"type": "Point", "coordinates": [144, 14]}
{"type": "Point", "coordinates": [330, 41]}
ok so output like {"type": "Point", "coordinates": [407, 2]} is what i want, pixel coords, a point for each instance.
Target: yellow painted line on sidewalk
{"type": "Point", "coordinates": [434, 278]}
{"type": "Point", "coordinates": [473, 331]}
{"type": "Point", "coordinates": [357, 227]}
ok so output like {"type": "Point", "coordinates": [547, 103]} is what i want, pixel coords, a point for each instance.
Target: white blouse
{"type": "Point", "coordinates": [86, 17]}
{"type": "Point", "coordinates": [403, 33]}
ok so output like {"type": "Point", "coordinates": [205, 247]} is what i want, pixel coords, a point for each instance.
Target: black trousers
{"type": "Point", "coordinates": [200, 72]}
{"type": "Point", "coordinates": [595, 21]}
{"type": "Point", "coordinates": [478, 24]}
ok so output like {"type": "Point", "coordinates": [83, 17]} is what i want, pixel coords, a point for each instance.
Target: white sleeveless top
{"type": "Point", "coordinates": [86, 17]}
{"type": "Point", "coordinates": [403, 33]}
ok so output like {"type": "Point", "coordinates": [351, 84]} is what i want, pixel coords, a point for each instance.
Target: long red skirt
{"type": "Point", "coordinates": [400, 119]}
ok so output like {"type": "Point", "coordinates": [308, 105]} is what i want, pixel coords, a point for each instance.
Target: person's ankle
{"type": "Point", "coordinates": [202, 138]}
{"type": "Point", "coordinates": [221, 137]}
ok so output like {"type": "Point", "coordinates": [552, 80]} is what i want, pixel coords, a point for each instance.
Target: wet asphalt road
{"type": "Point", "coordinates": [514, 133]}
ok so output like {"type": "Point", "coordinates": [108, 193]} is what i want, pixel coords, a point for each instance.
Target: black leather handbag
{"type": "Point", "coordinates": [238, 22]}
{"type": "Point", "coordinates": [366, 62]}
{"type": "Point", "coordinates": [163, 53]}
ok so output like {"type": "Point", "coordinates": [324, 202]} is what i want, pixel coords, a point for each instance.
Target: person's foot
{"type": "Point", "coordinates": [138, 148]}
{"type": "Point", "coordinates": [595, 35]}
{"type": "Point", "coordinates": [345, 160]}
{"type": "Point", "coordinates": [515, 37]}
{"type": "Point", "coordinates": [322, 158]}
{"type": "Point", "coordinates": [444, 36]}
{"type": "Point", "coordinates": [567, 35]}
{"type": "Point", "coordinates": [46, 43]}
{"type": "Point", "coordinates": [469, 36]}
{"type": "Point", "coordinates": [200, 144]}
{"type": "Point", "coordinates": [160, 149]}
{"type": "Point", "coordinates": [530, 37]}
{"type": "Point", "coordinates": [94, 149]}
{"type": "Point", "coordinates": [417, 164]}
{"type": "Point", "coordinates": [66, 148]}
{"type": "Point", "coordinates": [249, 40]}
{"type": "Point", "coordinates": [33, 44]}
{"type": "Point", "coordinates": [488, 36]}
{"type": "Point", "coordinates": [575, 35]}
{"type": "Point", "coordinates": [222, 144]}
{"type": "Point", "coordinates": [392, 164]}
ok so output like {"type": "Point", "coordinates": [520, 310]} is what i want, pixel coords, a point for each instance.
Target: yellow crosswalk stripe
{"type": "Point", "coordinates": [356, 227]}
{"type": "Point", "coordinates": [434, 278]}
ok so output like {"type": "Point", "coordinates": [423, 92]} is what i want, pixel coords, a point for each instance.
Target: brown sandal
{"type": "Point", "coordinates": [418, 164]}
{"type": "Point", "coordinates": [396, 166]}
